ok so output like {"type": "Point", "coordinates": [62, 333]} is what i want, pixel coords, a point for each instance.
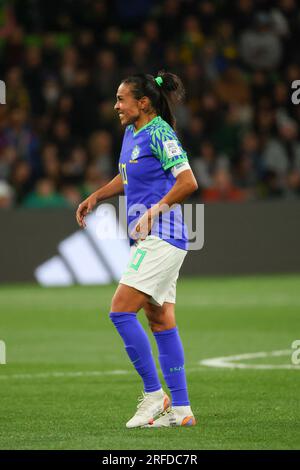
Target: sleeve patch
{"type": "Point", "coordinates": [172, 148]}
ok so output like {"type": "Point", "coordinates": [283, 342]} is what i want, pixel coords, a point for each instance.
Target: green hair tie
{"type": "Point", "coordinates": [159, 81]}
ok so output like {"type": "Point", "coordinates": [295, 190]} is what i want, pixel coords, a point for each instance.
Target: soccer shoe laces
{"type": "Point", "coordinates": [167, 411]}
{"type": "Point", "coordinates": [143, 402]}
{"type": "Point", "coordinates": [141, 399]}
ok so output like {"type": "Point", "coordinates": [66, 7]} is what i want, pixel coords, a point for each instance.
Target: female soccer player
{"type": "Point", "coordinates": [154, 174]}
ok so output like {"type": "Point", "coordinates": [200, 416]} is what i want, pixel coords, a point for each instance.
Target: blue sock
{"type": "Point", "coordinates": [171, 359]}
{"type": "Point", "coordinates": [138, 348]}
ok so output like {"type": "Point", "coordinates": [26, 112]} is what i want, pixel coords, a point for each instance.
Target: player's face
{"type": "Point", "coordinates": [127, 107]}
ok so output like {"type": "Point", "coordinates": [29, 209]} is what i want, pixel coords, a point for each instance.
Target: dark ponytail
{"type": "Point", "coordinates": [164, 94]}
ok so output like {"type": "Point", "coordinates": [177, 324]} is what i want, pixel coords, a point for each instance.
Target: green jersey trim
{"type": "Point", "coordinates": [183, 159]}
{"type": "Point", "coordinates": [162, 136]}
{"type": "Point", "coordinates": [150, 123]}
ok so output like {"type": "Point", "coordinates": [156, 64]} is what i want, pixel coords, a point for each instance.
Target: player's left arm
{"type": "Point", "coordinates": [168, 149]}
{"type": "Point", "coordinates": [184, 186]}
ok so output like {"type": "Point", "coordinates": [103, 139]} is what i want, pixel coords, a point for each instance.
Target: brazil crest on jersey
{"type": "Point", "coordinates": [146, 159]}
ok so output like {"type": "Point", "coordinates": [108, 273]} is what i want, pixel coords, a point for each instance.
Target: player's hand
{"type": "Point", "coordinates": [143, 227]}
{"type": "Point", "coordinates": [85, 208]}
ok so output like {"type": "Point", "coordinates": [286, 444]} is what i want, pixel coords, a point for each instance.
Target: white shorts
{"type": "Point", "coordinates": [153, 268]}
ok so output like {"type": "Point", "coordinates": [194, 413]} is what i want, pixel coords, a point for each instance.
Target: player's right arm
{"type": "Point", "coordinates": [113, 188]}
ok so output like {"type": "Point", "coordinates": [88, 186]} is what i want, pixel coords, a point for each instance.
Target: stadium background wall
{"type": "Point", "coordinates": [252, 238]}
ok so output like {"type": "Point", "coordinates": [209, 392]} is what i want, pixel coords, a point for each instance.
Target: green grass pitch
{"type": "Point", "coordinates": [68, 383]}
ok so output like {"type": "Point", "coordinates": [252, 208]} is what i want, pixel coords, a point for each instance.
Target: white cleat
{"type": "Point", "coordinates": [150, 406]}
{"type": "Point", "coordinates": [177, 416]}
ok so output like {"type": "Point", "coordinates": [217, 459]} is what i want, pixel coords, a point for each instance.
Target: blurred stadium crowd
{"type": "Point", "coordinates": [62, 62]}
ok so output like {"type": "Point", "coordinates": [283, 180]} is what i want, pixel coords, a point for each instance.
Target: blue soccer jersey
{"type": "Point", "coordinates": [146, 159]}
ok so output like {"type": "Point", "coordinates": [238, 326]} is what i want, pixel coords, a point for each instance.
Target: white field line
{"type": "Point", "coordinates": [220, 362]}
{"type": "Point", "coordinates": [229, 361]}
{"type": "Point", "coordinates": [92, 373]}
{"type": "Point", "coordinates": [46, 375]}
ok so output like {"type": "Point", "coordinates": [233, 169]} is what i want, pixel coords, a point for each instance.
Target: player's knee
{"type": "Point", "coordinates": [157, 326]}
{"type": "Point", "coordinates": [151, 325]}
